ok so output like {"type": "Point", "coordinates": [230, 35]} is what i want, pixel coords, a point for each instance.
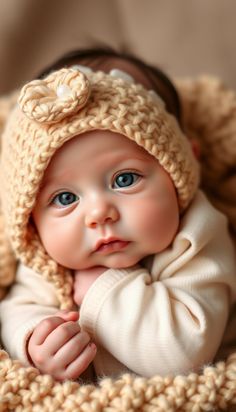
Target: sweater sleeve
{"type": "Point", "coordinates": [171, 317]}
{"type": "Point", "coordinates": [30, 300]}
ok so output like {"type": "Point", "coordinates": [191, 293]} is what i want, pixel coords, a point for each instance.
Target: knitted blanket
{"type": "Point", "coordinates": [209, 116]}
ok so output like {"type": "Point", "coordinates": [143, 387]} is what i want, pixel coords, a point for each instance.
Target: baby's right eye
{"type": "Point", "coordinates": [64, 199]}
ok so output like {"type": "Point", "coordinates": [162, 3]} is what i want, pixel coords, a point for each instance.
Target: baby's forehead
{"type": "Point", "coordinates": [91, 144]}
{"type": "Point", "coordinates": [99, 150]}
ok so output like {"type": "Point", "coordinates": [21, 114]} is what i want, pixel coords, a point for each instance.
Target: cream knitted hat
{"type": "Point", "coordinates": [63, 105]}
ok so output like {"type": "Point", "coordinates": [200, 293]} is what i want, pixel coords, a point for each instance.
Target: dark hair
{"type": "Point", "coordinates": [160, 82]}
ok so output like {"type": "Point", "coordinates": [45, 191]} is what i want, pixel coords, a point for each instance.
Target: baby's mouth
{"type": "Point", "coordinates": [110, 245]}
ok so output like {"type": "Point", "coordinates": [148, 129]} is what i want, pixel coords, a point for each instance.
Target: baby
{"type": "Point", "coordinates": [100, 195]}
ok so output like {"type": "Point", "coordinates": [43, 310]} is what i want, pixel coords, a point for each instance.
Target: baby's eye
{"type": "Point", "coordinates": [125, 180]}
{"type": "Point", "coordinates": [64, 199]}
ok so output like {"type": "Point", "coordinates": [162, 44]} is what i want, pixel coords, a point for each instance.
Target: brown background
{"type": "Point", "coordinates": [184, 37]}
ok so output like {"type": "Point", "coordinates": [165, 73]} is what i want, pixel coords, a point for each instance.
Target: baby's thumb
{"type": "Point", "coordinates": [68, 315]}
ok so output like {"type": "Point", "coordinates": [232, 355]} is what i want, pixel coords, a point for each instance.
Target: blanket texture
{"type": "Point", "coordinates": [209, 116]}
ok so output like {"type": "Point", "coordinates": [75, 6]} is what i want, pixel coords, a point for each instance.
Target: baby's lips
{"type": "Point", "coordinates": [61, 93]}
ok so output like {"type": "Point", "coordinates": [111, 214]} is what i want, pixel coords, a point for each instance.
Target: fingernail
{"type": "Point", "coordinates": [92, 346]}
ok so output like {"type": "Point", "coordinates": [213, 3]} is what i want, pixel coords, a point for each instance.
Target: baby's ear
{"type": "Point", "coordinates": [195, 144]}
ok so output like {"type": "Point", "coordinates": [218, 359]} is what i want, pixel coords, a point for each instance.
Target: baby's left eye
{"type": "Point", "coordinates": [125, 180]}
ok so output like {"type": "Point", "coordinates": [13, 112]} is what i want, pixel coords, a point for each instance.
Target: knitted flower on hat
{"type": "Point", "coordinates": [52, 99]}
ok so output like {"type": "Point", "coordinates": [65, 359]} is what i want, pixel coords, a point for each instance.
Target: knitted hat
{"type": "Point", "coordinates": [54, 110]}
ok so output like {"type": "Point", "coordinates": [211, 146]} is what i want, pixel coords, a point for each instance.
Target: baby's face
{"type": "Point", "coordinates": [104, 201]}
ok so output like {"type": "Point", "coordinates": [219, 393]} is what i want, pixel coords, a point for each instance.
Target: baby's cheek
{"type": "Point", "coordinates": [140, 220]}
{"type": "Point", "coordinates": [60, 240]}
{"type": "Point", "coordinates": [156, 225]}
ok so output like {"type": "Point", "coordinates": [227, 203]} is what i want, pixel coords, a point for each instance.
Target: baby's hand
{"type": "Point", "coordinates": [58, 347]}
{"type": "Point", "coordinates": [83, 280]}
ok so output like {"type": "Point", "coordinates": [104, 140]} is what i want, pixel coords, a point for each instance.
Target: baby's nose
{"type": "Point", "coordinates": [101, 213]}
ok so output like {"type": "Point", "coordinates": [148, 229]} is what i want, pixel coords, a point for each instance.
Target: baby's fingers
{"type": "Point", "coordinates": [44, 328]}
{"type": "Point", "coordinates": [72, 348]}
{"type": "Point", "coordinates": [61, 335]}
{"type": "Point", "coordinates": [76, 368]}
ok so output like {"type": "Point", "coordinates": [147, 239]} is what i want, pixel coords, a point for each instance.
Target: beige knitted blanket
{"type": "Point", "coordinates": [209, 111]}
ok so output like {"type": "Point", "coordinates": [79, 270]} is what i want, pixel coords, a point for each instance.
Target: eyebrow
{"type": "Point", "coordinates": [47, 182]}
{"type": "Point", "coordinates": [143, 159]}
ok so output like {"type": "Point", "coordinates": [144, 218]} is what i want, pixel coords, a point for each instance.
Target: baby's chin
{"type": "Point", "coordinates": [113, 261]}
{"type": "Point", "coordinates": [121, 263]}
